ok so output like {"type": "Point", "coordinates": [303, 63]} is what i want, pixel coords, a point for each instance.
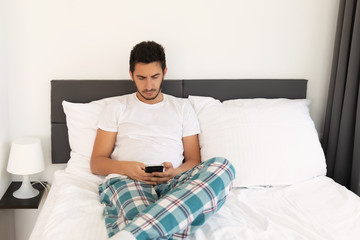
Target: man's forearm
{"type": "Point", "coordinates": [134, 170]}
{"type": "Point", "coordinates": [105, 166]}
{"type": "Point", "coordinates": [188, 164]}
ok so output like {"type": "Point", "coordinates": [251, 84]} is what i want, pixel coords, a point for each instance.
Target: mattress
{"type": "Point", "coordinates": [315, 209]}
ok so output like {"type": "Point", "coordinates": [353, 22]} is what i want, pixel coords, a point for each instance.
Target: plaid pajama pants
{"type": "Point", "coordinates": [171, 210]}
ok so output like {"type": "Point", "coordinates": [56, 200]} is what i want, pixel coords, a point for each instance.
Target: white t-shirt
{"type": "Point", "coordinates": [149, 133]}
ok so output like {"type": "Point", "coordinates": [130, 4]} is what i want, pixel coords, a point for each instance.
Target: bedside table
{"type": "Point", "coordinates": [8, 201]}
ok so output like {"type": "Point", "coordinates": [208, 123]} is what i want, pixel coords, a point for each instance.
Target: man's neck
{"type": "Point", "coordinates": [159, 98]}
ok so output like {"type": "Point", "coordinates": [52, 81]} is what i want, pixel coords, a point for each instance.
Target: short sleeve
{"type": "Point", "coordinates": [108, 120]}
{"type": "Point", "coordinates": [190, 121]}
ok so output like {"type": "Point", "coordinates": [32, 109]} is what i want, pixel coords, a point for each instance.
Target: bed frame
{"type": "Point", "coordinates": [83, 91]}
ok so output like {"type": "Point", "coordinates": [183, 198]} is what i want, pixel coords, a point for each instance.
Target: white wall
{"type": "Point", "coordinates": [6, 215]}
{"type": "Point", "coordinates": [204, 39]}
{"type": "Point", "coordinates": [4, 110]}
{"type": "Point", "coordinates": [91, 39]}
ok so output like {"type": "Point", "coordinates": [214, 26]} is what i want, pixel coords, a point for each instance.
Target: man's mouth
{"type": "Point", "coordinates": [149, 92]}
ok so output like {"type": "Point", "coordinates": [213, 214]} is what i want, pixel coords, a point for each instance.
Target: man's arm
{"type": "Point", "coordinates": [191, 152]}
{"type": "Point", "coordinates": [102, 164]}
{"type": "Point", "coordinates": [191, 159]}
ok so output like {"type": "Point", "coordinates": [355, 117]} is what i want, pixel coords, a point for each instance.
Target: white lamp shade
{"type": "Point", "coordinates": [26, 157]}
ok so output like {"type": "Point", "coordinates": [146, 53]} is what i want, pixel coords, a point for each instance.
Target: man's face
{"type": "Point", "coordinates": [148, 78]}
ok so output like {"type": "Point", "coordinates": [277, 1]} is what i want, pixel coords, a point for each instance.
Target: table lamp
{"type": "Point", "coordinates": [26, 158]}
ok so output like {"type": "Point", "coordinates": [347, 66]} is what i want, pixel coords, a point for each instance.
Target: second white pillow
{"type": "Point", "coordinates": [270, 142]}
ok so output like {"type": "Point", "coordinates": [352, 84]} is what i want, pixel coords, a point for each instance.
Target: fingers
{"type": "Point", "coordinates": [167, 165]}
{"type": "Point", "coordinates": [142, 166]}
{"type": "Point", "coordinates": [155, 177]}
{"type": "Point", "coordinates": [161, 177]}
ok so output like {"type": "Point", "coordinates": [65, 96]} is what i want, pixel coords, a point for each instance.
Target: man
{"type": "Point", "coordinates": [150, 127]}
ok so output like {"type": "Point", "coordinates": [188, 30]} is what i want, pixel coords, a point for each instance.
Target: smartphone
{"type": "Point", "coordinates": [154, 168]}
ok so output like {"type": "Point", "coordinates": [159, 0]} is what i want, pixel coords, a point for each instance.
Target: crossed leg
{"type": "Point", "coordinates": [172, 210]}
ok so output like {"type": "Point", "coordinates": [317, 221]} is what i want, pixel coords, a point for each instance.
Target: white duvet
{"type": "Point", "coordinates": [316, 209]}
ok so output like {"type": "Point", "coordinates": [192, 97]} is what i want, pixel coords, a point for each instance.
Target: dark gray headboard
{"type": "Point", "coordinates": [83, 91]}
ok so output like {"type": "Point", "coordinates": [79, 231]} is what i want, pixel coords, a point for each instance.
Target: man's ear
{"type": "Point", "coordinates": [131, 75]}
{"type": "Point", "coordinates": [165, 70]}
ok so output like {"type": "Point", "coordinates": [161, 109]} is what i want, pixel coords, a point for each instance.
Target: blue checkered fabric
{"type": "Point", "coordinates": [171, 210]}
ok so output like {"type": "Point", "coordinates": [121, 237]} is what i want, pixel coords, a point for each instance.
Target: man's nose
{"type": "Point", "coordinates": [148, 83]}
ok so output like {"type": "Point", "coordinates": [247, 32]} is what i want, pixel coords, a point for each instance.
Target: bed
{"type": "Point", "coordinates": [262, 126]}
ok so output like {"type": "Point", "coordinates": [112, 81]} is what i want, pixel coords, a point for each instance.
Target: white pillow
{"type": "Point", "coordinates": [81, 120]}
{"type": "Point", "coordinates": [270, 142]}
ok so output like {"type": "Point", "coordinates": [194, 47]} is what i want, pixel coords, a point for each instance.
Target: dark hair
{"type": "Point", "coordinates": [147, 52]}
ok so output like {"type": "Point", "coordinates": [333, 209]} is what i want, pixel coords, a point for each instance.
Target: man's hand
{"type": "Point", "coordinates": [168, 174]}
{"type": "Point", "coordinates": [136, 171]}
{"type": "Point", "coordinates": [192, 158]}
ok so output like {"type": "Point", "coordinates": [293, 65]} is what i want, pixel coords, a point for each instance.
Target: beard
{"type": "Point", "coordinates": [151, 90]}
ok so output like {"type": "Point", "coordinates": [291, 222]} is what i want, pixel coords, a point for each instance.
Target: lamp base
{"type": "Point", "coordinates": [26, 190]}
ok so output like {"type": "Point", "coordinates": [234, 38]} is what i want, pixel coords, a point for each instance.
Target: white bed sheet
{"type": "Point", "coordinates": [315, 209]}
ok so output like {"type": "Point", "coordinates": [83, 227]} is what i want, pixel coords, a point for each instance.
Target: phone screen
{"type": "Point", "coordinates": [150, 169]}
